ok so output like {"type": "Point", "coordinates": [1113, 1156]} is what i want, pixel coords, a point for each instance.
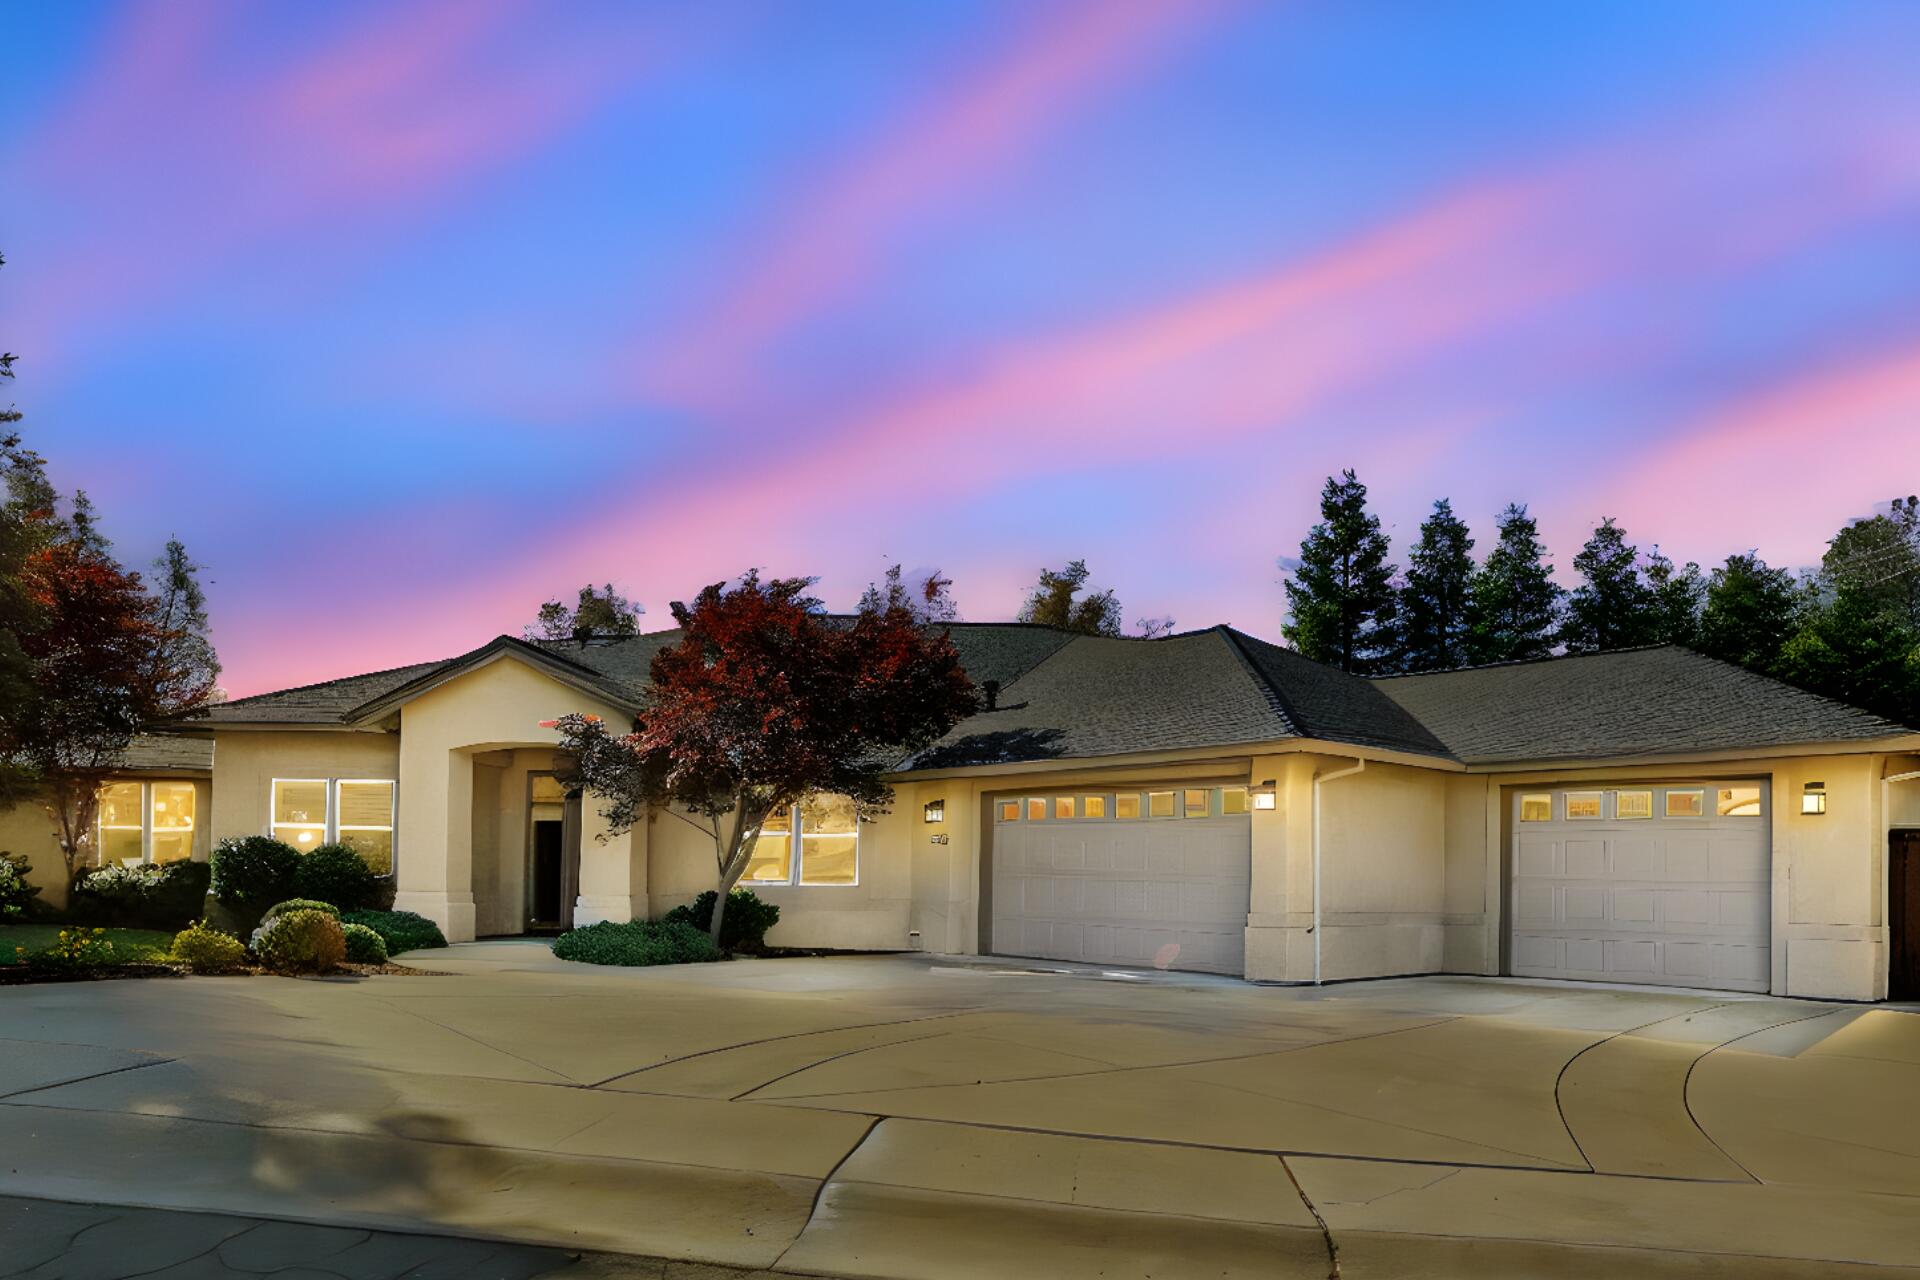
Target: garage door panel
{"type": "Point", "coordinates": [1134, 892]}
{"type": "Point", "coordinates": [1678, 900]}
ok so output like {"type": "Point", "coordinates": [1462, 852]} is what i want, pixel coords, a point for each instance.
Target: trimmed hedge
{"type": "Point", "coordinates": [400, 930]}
{"type": "Point", "coordinates": [636, 943]}
{"type": "Point", "coordinates": [252, 871]}
{"type": "Point", "coordinates": [336, 874]}
{"type": "Point", "coordinates": [166, 895]}
{"type": "Point", "coordinates": [364, 946]}
{"type": "Point", "coordinates": [207, 950]}
{"type": "Point", "coordinates": [300, 942]}
{"type": "Point", "coordinates": [743, 927]}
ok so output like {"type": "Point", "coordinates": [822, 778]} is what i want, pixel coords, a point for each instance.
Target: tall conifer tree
{"type": "Point", "coordinates": [1340, 598]}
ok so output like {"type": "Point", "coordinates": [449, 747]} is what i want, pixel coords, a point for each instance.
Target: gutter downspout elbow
{"type": "Point", "coordinates": [1358, 766]}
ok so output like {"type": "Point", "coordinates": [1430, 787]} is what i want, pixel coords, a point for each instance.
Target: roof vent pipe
{"type": "Point", "coordinates": [991, 688]}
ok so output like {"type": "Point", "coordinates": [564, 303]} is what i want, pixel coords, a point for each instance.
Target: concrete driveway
{"type": "Point", "coordinates": [908, 1117]}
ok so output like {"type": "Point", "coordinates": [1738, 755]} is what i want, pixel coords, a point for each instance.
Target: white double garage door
{"type": "Point", "coordinates": [1660, 883]}
{"type": "Point", "coordinates": [1152, 879]}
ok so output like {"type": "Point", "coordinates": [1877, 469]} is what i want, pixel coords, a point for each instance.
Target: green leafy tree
{"type": "Point", "coordinates": [930, 599]}
{"type": "Point", "coordinates": [1340, 597]}
{"type": "Point", "coordinates": [1057, 602]}
{"type": "Point", "coordinates": [1879, 558]}
{"type": "Point", "coordinates": [1515, 604]}
{"type": "Point", "coordinates": [1434, 612]}
{"type": "Point", "coordinates": [183, 666]}
{"type": "Point", "coordinates": [1853, 649]}
{"type": "Point", "coordinates": [1751, 611]}
{"type": "Point", "coordinates": [599, 613]}
{"type": "Point", "coordinates": [1612, 608]}
{"type": "Point", "coordinates": [1677, 597]}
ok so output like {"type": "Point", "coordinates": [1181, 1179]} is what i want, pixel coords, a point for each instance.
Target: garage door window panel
{"type": "Point", "coordinates": [1686, 804]}
{"type": "Point", "coordinates": [1631, 805]}
{"type": "Point", "coordinates": [1537, 807]}
{"type": "Point", "coordinates": [1126, 805]}
{"type": "Point", "coordinates": [1738, 802]}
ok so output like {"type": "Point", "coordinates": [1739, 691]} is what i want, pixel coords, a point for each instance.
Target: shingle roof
{"type": "Point", "coordinates": [325, 703]}
{"type": "Point", "coordinates": [1326, 703]}
{"type": "Point", "coordinates": [1662, 700]}
{"type": "Point", "coordinates": [168, 753]}
{"type": "Point", "coordinates": [1095, 695]}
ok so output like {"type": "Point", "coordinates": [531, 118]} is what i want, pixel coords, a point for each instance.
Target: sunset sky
{"type": "Point", "coordinates": [405, 317]}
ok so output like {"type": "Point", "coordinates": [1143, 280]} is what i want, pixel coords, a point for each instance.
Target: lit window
{"type": "Point", "coordinates": [1198, 802]}
{"type": "Point", "coordinates": [1126, 805]}
{"type": "Point", "coordinates": [1009, 811]}
{"type": "Point", "coordinates": [172, 821]}
{"type": "Point", "coordinates": [1536, 807]}
{"type": "Point", "coordinates": [1233, 800]}
{"type": "Point", "coordinates": [121, 832]}
{"type": "Point", "coordinates": [1686, 804]}
{"type": "Point", "coordinates": [1093, 806]}
{"type": "Point", "coordinates": [772, 856]}
{"type": "Point", "coordinates": [300, 812]}
{"type": "Point", "coordinates": [829, 840]}
{"type": "Point", "coordinates": [1063, 806]}
{"type": "Point", "coordinates": [1036, 810]}
{"type": "Point", "coordinates": [1633, 804]}
{"type": "Point", "coordinates": [1160, 804]}
{"type": "Point", "coordinates": [1739, 802]}
{"type": "Point", "coordinates": [1583, 804]}
{"type": "Point", "coordinates": [364, 821]}
{"type": "Point", "coordinates": [828, 848]}
{"type": "Point", "coordinates": [144, 822]}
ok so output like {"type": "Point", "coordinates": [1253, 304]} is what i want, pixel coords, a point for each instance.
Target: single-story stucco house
{"type": "Point", "coordinates": [1203, 801]}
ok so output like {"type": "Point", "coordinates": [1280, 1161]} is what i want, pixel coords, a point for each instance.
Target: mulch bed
{"type": "Point", "coordinates": [20, 975]}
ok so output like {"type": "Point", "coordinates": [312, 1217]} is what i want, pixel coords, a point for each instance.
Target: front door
{"type": "Point", "coordinates": [1903, 915]}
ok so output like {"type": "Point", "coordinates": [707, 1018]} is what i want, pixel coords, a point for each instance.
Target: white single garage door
{"type": "Point", "coordinates": [1660, 883]}
{"type": "Point", "coordinates": [1146, 877]}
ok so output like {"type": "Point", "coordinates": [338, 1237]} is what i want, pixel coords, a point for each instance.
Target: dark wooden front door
{"type": "Point", "coordinates": [1903, 915]}
{"type": "Point", "coordinates": [548, 870]}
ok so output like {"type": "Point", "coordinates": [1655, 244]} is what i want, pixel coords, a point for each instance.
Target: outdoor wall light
{"type": "Point", "coordinates": [936, 811]}
{"type": "Point", "coordinates": [1264, 796]}
{"type": "Point", "coordinates": [1814, 798]}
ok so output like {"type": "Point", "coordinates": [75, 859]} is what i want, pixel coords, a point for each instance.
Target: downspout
{"type": "Point", "coordinates": [1358, 766]}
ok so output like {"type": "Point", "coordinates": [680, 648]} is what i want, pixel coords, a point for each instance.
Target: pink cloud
{"type": "Point", "coordinates": [832, 233]}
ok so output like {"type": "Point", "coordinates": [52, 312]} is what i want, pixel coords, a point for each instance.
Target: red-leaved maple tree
{"type": "Point", "coordinates": [764, 700]}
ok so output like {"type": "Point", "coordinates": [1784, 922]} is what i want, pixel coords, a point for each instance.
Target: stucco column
{"type": "Point", "coordinates": [613, 869]}
{"type": "Point", "coordinates": [435, 873]}
{"type": "Point", "coordinates": [1277, 937]}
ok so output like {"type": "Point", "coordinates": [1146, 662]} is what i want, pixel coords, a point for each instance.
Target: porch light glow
{"type": "Point", "coordinates": [936, 811]}
{"type": "Point", "coordinates": [1264, 796]}
{"type": "Point", "coordinates": [1814, 798]}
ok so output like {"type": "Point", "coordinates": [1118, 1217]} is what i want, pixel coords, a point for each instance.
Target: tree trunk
{"type": "Point", "coordinates": [731, 853]}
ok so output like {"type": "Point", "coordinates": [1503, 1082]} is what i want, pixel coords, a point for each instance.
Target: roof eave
{"type": "Point", "coordinates": [573, 674]}
{"type": "Point", "coordinates": [1183, 755]}
{"type": "Point", "coordinates": [1894, 745]}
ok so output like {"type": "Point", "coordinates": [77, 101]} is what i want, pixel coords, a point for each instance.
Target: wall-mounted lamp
{"type": "Point", "coordinates": [1814, 798]}
{"type": "Point", "coordinates": [1264, 796]}
{"type": "Point", "coordinates": [936, 811]}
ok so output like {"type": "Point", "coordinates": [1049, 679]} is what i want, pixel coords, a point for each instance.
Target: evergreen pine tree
{"type": "Point", "coordinates": [1515, 604]}
{"type": "Point", "coordinates": [1677, 598]}
{"type": "Point", "coordinates": [1612, 608]}
{"type": "Point", "coordinates": [1433, 614]}
{"type": "Point", "coordinates": [1751, 612]}
{"type": "Point", "coordinates": [1340, 598]}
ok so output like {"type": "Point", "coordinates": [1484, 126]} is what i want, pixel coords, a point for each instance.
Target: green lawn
{"type": "Point", "coordinates": [132, 945]}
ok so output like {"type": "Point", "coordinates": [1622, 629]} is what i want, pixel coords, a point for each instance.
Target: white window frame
{"type": "Point", "coordinates": [146, 786]}
{"type": "Point", "coordinates": [797, 853]}
{"type": "Point", "coordinates": [330, 827]}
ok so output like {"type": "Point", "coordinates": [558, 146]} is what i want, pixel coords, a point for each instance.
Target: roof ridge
{"type": "Point", "coordinates": [1528, 662]}
{"type": "Point", "coordinates": [1282, 706]}
{"type": "Point", "coordinates": [321, 684]}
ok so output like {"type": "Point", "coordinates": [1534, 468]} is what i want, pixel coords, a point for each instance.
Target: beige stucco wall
{"type": "Point", "coordinates": [500, 829]}
{"type": "Point", "coordinates": [245, 763]}
{"type": "Point", "coordinates": [1382, 843]}
{"type": "Point", "coordinates": [494, 707]}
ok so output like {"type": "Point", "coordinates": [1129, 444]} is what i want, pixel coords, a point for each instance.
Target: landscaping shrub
{"type": "Point", "coordinates": [207, 950]}
{"type": "Point", "coordinates": [73, 949]}
{"type": "Point", "coordinates": [637, 942]}
{"type": "Point", "coordinates": [335, 873]}
{"type": "Point", "coordinates": [400, 930]}
{"type": "Point", "coordinates": [300, 942]}
{"type": "Point", "coordinates": [251, 871]}
{"type": "Point", "coordinates": [743, 928]}
{"type": "Point", "coordinates": [364, 946]}
{"type": "Point", "coordinates": [167, 895]}
{"type": "Point", "coordinates": [299, 904]}
{"type": "Point", "coordinates": [16, 895]}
